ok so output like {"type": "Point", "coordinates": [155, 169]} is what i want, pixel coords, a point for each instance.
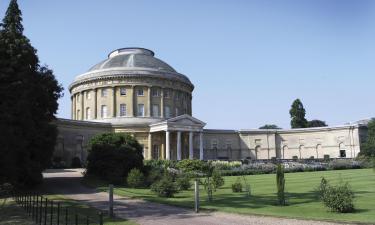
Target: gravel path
{"type": "Point", "coordinates": [67, 183]}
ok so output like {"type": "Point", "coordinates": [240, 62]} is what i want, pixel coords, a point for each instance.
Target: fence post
{"type": "Point", "coordinates": [41, 210]}
{"type": "Point", "coordinates": [196, 195]}
{"type": "Point", "coordinates": [110, 201]}
{"type": "Point", "coordinates": [66, 215]}
{"type": "Point", "coordinates": [101, 218]}
{"type": "Point", "coordinates": [76, 218]}
{"type": "Point", "coordinates": [58, 213]}
{"type": "Point", "coordinates": [45, 211]}
{"type": "Point", "coordinates": [51, 213]}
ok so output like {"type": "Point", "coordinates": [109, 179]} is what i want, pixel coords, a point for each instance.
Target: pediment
{"type": "Point", "coordinates": [186, 120]}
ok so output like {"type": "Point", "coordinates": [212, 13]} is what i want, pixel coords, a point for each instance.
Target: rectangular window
{"type": "Point", "coordinates": [155, 92]}
{"type": "Point", "coordinates": [214, 144]}
{"type": "Point", "coordinates": [167, 111]}
{"type": "Point", "coordinates": [140, 92]}
{"type": "Point", "coordinates": [122, 110]}
{"type": "Point", "coordinates": [166, 94]}
{"type": "Point", "coordinates": [177, 95]}
{"type": "Point", "coordinates": [88, 113]}
{"type": "Point", "coordinates": [104, 92]}
{"type": "Point", "coordinates": [104, 111]}
{"type": "Point", "coordinates": [88, 95]}
{"type": "Point", "coordinates": [141, 110]}
{"type": "Point", "coordinates": [122, 91]}
{"type": "Point", "coordinates": [155, 110]}
{"type": "Point", "coordinates": [228, 144]}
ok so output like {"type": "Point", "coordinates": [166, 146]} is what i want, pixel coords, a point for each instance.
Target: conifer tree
{"type": "Point", "coordinates": [297, 114]}
{"type": "Point", "coordinates": [29, 94]}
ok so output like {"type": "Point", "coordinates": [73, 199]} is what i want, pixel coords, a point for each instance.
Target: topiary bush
{"type": "Point", "coordinates": [237, 186]}
{"type": "Point", "coordinates": [337, 198]}
{"type": "Point", "coordinates": [135, 178]}
{"type": "Point", "coordinates": [111, 156]}
{"type": "Point", "coordinates": [165, 187]}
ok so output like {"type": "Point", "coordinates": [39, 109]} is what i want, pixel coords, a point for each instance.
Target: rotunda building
{"type": "Point", "coordinates": [138, 93]}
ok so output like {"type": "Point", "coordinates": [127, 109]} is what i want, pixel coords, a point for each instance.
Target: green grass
{"type": "Point", "coordinates": [12, 214]}
{"type": "Point", "coordinates": [300, 187]}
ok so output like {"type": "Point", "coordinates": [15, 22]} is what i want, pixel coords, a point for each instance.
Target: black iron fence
{"type": "Point", "coordinates": [49, 212]}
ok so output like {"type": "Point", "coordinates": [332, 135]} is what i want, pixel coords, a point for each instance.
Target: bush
{"type": "Point", "coordinates": [183, 183]}
{"type": "Point", "coordinates": [153, 176]}
{"type": "Point", "coordinates": [165, 187]}
{"type": "Point", "coordinates": [217, 179]}
{"type": "Point", "coordinates": [189, 165]}
{"type": "Point", "coordinates": [76, 163]}
{"type": "Point", "coordinates": [135, 179]}
{"type": "Point", "coordinates": [344, 164]}
{"type": "Point", "coordinates": [326, 157]}
{"type": "Point", "coordinates": [337, 198]}
{"type": "Point", "coordinates": [113, 155]}
{"type": "Point", "coordinates": [237, 186]}
{"type": "Point", "coordinates": [280, 184]}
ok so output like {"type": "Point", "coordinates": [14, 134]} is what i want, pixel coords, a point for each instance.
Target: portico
{"type": "Point", "coordinates": [179, 127]}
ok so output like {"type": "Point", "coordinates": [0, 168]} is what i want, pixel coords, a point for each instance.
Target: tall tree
{"type": "Point", "coordinates": [316, 123]}
{"type": "Point", "coordinates": [29, 94]}
{"type": "Point", "coordinates": [368, 147]}
{"type": "Point", "coordinates": [269, 126]}
{"type": "Point", "coordinates": [297, 114]}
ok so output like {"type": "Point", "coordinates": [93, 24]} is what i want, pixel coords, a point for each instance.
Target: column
{"type": "Point", "coordinates": [95, 104]}
{"type": "Point", "coordinates": [131, 107]}
{"type": "Point", "coordinates": [201, 145]}
{"type": "Point", "coordinates": [149, 102]}
{"type": "Point", "coordinates": [149, 145]}
{"type": "Point", "coordinates": [74, 107]}
{"type": "Point", "coordinates": [114, 102]}
{"type": "Point", "coordinates": [191, 150]}
{"type": "Point", "coordinates": [179, 145]}
{"type": "Point", "coordinates": [162, 103]}
{"type": "Point", "coordinates": [167, 146]}
{"type": "Point", "coordinates": [82, 106]}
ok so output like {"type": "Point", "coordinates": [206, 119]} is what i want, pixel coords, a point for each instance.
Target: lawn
{"type": "Point", "coordinates": [300, 187]}
{"type": "Point", "coordinates": [12, 214]}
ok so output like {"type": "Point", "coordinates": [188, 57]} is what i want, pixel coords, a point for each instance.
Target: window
{"type": "Point", "coordinates": [228, 144]}
{"type": "Point", "coordinates": [177, 112]}
{"type": "Point", "coordinates": [104, 111]}
{"type": "Point", "coordinates": [167, 111]}
{"type": "Point", "coordinates": [122, 110]}
{"type": "Point", "coordinates": [155, 92]}
{"type": "Point", "coordinates": [166, 94]}
{"type": "Point", "coordinates": [140, 92]}
{"type": "Point", "coordinates": [177, 95]}
{"type": "Point", "coordinates": [342, 153]}
{"type": "Point", "coordinates": [141, 110]}
{"type": "Point", "coordinates": [122, 91]}
{"type": "Point", "coordinates": [155, 110]}
{"type": "Point", "coordinates": [214, 143]}
{"type": "Point", "coordinates": [88, 113]}
{"type": "Point", "coordinates": [88, 95]}
{"type": "Point", "coordinates": [104, 92]}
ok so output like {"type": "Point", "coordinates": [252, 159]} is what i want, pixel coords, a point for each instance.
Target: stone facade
{"type": "Point", "coordinates": [134, 92]}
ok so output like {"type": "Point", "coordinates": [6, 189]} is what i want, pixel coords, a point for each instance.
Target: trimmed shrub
{"type": "Point", "coordinates": [237, 186]}
{"type": "Point", "coordinates": [135, 179]}
{"type": "Point", "coordinates": [165, 187]}
{"type": "Point", "coordinates": [280, 184]}
{"type": "Point", "coordinates": [113, 155]}
{"type": "Point", "coordinates": [337, 198]}
{"type": "Point", "coordinates": [183, 183]}
{"type": "Point", "coordinates": [189, 165]}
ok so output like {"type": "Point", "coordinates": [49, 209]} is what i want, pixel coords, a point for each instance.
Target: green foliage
{"type": "Point", "coordinates": [113, 155]}
{"type": "Point", "coordinates": [297, 115]}
{"type": "Point", "coordinates": [237, 186]}
{"type": "Point", "coordinates": [368, 147]}
{"type": "Point", "coordinates": [217, 179]}
{"type": "Point", "coordinates": [153, 175]}
{"type": "Point", "coordinates": [316, 123]}
{"type": "Point", "coordinates": [270, 126]}
{"type": "Point", "coordinates": [189, 165]}
{"type": "Point", "coordinates": [161, 164]}
{"type": "Point", "coordinates": [183, 182]}
{"type": "Point", "coordinates": [337, 198]}
{"type": "Point", "coordinates": [212, 179]}
{"type": "Point", "coordinates": [280, 184]}
{"type": "Point", "coordinates": [29, 94]}
{"type": "Point", "coordinates": [165, 187]}
{"type": "Point", "coordinates": [135, 178]}
{"type": "Point", "coordinates": [326, 157]}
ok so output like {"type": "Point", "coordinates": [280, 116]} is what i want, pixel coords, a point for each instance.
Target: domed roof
{"type": "Point", "coordinates": [132, 58]}
{"type": "Point", "coordinates": [131, 62]}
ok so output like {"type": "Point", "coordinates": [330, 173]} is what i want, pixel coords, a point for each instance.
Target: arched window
{"type": "Point", "coordinates": [318, 150]}
{"type": "Point", "coordinates": [257, 150]}
{"type": "Point", "coordinates": [301, 150]}
{"type": "Point", "coordinates": [88, 113]}
{"type": "Point", "coordinates": [285, 150]}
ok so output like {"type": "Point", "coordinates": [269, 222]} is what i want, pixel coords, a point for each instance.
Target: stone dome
{"type": "Point", "coordinates": [131, 62]}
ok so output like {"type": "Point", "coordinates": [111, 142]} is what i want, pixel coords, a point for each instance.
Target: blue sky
{"type": "Point", "coordinates": [248, 59]}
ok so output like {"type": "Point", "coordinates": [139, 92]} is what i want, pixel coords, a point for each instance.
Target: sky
{"type": "Point", "coordinates": [247, 59]}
